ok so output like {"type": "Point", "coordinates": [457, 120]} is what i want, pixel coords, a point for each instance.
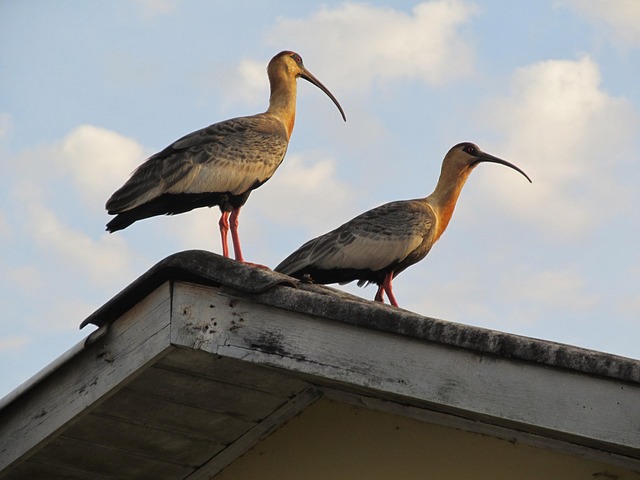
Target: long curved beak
{"type": "Point", "coordinates": [485, 157]}
{"type": "Point", "coordinates": [308, 76]}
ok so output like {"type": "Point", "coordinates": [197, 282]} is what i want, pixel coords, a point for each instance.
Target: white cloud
{"type": "Point", "coordinates": [472, 295]}
{"type": "Point", "coordinates": [55, 259]}
{"type": "Point", "coordinates": [157, 7]}
{"type": "Point", "coordinates": [27, 277]}
{"type": "Point", "coordinates": [247, 85]}
{"type": "Point", "coordinates": [552, 289]}
{"type": "Point", "coordinates": [98, 160]}
{"type": "Point", "coordinates": [355, 44]}
{"type": "Point", "coordinates": [620, 20]}
{"type": "Point", "coordinates": [305, 193]}
{"type": "Point", "coordinates": [41, 199]}
{"type": "Point", "coordinates": [567, 134]}
{"type": "Point", "coordinates": [13, 342]}
{"type": "Point", "coordinates": [104, 261]}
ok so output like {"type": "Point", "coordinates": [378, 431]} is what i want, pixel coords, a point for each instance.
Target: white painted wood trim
{"type": "Point", "coordinates": [564, 405]}
{"type": "Point", "coordinates": [138, 337]}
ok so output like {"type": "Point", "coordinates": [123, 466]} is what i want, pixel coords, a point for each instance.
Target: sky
{"type": "Point", "coordinates": [88, 90]}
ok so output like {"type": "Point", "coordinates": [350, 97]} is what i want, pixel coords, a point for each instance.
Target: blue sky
{"type": "Point", "coordinates": [89, 89]}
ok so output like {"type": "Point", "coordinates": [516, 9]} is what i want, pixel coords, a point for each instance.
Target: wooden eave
{"type": "Point", "coordinates": [202, 357]}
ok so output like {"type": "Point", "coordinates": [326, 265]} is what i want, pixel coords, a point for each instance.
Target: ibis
{"type": "Point", "coordinates": [220, 164]}
{"type": "Point", "coordinates": [379, 244]}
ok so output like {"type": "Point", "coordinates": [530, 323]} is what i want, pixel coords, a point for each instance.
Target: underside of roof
{"type": "Point", "coordinates": [202, 358]}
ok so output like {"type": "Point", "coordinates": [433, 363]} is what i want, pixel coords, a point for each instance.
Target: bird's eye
{"type": "Point", "coordinates": [470, 149]}
{"type": "Point", "coordinates": [297, 58]}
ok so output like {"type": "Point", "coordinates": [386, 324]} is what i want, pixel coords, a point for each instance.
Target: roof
{"type": "Point", "coordinates": [202, 357]}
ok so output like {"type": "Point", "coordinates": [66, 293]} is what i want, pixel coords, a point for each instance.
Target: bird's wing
{"type": "Point", "coordinates": [231, 156]}
{"type": "Point", "coordinates": [373, 240]}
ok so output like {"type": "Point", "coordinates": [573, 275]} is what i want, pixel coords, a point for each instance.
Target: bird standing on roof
{"type": "Point", "coordinates": [377, 245]}
{"type": "Point", "coordinates": [220, 164]}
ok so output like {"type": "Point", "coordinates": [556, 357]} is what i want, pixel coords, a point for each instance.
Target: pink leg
{"type": "Point", "coordinates": [235, 213]}
{"type": "Point", "coordinates": [233, 223]}
{"type": "Point", "coordinates": [388, 289]}
{"type": "Point", "coordinates": [379, 297]}
{"type": "Point", "coordinates": [224, 229]}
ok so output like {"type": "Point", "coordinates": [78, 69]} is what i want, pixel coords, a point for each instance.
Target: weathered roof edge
{"type": "Point", "coordinates": [197, 266]}
{"type": "Point", "coordinates": [210, 269]}
{"type": "Point", "coordinates": [41, 374]}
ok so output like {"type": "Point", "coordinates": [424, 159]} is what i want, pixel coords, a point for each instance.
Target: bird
{"type": "Point", "coordinates": [379, 244]}
{"type": "Point", "coordinates": [220, 164]}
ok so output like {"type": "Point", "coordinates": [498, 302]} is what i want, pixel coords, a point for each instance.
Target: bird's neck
{"type": "Point", "coordinates": [282, 102]}
{"type": "Point", "coordinates": [444, 197]}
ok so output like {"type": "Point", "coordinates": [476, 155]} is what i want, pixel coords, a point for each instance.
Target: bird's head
{"type": "Point", "coordinates": [465, 156]}
{"type": "Point", "coordinates": [290, 65]}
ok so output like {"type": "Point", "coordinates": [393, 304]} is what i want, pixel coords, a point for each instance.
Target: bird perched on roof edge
{"type": "Point", "coordinates": [376, 246]}
{"type": "Point", "coordinates": [220, 164]}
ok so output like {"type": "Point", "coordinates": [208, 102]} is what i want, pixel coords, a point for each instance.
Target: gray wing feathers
{"type": "Point", "coordinates": [229, 156]}
{"type": "Point", "coordinates": [372, 240]}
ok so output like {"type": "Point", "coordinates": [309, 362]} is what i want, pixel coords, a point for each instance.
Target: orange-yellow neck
{"type": "Point", "coordinates": [445, 196]}
{"type": "Point", "coordinates": [282, 102]}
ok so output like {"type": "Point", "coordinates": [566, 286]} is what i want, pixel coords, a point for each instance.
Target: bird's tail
{"type": "Point", "coordinates": [120, 222]}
